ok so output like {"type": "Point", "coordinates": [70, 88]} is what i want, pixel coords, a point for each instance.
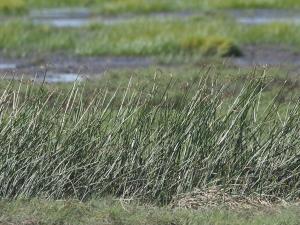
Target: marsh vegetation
{"type": "Point", "coordinates": [174, 112]}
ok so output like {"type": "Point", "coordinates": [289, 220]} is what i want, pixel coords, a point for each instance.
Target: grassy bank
{"type": "Point", "coordinates": [114, 212]}
{"type": "Point", "coordinates": [202, 36]}
{"type": "Point", "coordinates": [146, 145]}
{"type": "Point", "coordinates": [141, 38]}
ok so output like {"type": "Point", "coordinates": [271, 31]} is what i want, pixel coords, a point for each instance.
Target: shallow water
{"type": "Point", "coordinates": [63, 68]}
{"type": "Point", "coordinates": [79, 17]}
{"type": "Point", "coordinates": [246, 62]}
{"type": "Point", "coordinates": [4, 66]}
{"type": "Point", "coordinates": [63, 22]}
{"type": "Point", "coordinates": [268, 55]}
{"type": "Point", "coordinates": [257, 21]}
{"type": "Point", "coordinates": [77, 22]}
{"type": "Point", "coordinates": [49, 78]}
{"type": "Point", "coordinates": [61, 13]}
{"type": "Point", "coordinates": [59, 78]}
{"type": "Point", "coordinates": [266, 16]}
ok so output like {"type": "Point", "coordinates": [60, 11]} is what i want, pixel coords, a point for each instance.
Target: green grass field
{"type": "Point", "coordinates": [114, 212]}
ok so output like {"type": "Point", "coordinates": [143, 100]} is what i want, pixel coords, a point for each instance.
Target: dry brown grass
{"type": "Point", "coordinates": [217, 198]}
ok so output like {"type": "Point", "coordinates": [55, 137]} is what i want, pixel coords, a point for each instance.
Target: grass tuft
{"type": "Point", "coordinates": [12, 6]}
{"type": "Point", "coordinates": [66, 146]}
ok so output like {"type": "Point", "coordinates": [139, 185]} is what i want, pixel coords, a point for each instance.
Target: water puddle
{"type": "Point", "coordinates": [265, 16]}
{"type": "Point", "coordinates": [61, 23]}
{"type": "Point", "coordinates": [6, 66]}
{"type": "Point", "coordinates": [258, 21]}
{"type": "Point", "coordinates": [267, 55]}
{"type": "Point", "coordinates": [49, 78]}
{"type": "Point", "coordinates": [78, 17]}
{"type": "Point", "coordinates": [96, 65]}
{"type": "Point", "coordinates": [76, 22]}
{"type": "Point", "coordinates": [63, 68]}
{"type": "Point", "coordinates": [118, 62]}
{"type": "Point", "coordinates": [61, 13]}
{"type": "Point", "coordinates": [59, 78]}
{"type": "Point", "coordinates": [251, 62]}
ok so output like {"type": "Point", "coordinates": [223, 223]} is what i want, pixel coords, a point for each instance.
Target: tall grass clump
{"type": "Point", "coordinates": [62, 145]}
{"type": "Point", "coordinates": [12, 6]}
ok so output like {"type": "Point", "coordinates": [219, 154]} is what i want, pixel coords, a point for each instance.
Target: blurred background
{"type": "Point", "coordinates": [113, 40]}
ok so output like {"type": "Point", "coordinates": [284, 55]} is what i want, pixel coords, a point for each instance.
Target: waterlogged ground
{"type": "Point", "coordinates": [82, 16]}
{"type": "Point", "coordinates": [266, 16]}
{"type": "Point", "coordinates": [63, 68]}
{"type": "Point", "coordinates": [152, 47]}
{"type": "Point", "coordinates": [260, 55]}
{"type": "Point", "coordinates": [79, 17]}
{"type": "Point", "coordinates": [68, 67]}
